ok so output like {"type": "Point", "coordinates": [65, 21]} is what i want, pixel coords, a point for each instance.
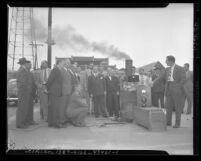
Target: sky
{"type": "Point", "coordinates": [145, 35]}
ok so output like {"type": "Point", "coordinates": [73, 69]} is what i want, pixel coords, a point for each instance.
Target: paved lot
{"type": "Point", "coordinates": [127, 136]}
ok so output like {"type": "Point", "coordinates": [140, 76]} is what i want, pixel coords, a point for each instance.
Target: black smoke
{"type": "Point", "coordinates": [68, 37]}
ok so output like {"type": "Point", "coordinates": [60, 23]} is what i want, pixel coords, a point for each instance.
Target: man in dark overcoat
{"type": "Point", "coordinates": [113, 90]}
{"type": "Point", "coordinates": [54, 88]}
{"type": "Point", "coordinates": [24, 85]}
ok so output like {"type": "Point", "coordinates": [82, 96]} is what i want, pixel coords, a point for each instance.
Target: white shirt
{"type": "Point", "coordinates": [65, 69]}
{"type": "Point", "coordinates": [171, 79]}
{"type": "Point", "coordinates": [95, 74]}
{"type": "Point", "coordinates": [143, 79]}
{"type": "Point", "coordinates": [71, 71]}
{"type": "Point", "coordinates": [47, 74]}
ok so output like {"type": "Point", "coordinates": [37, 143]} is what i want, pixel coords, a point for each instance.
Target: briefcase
{"type": "Point", "coordinates": [152, 118]}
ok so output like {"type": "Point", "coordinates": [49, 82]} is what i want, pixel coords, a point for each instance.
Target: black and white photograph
{"type": "Point", "coordinates": [100, 78]}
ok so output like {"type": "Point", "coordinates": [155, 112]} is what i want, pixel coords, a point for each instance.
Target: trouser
{"type": "Point", "coordinates": [54, 110]}
{"type": "Point", "coordinates": [189, 97]}
{"type": "Point", "coordinates": [43, 105]}
{"type": "Point", "coordinates": [113, 106]}
{"type": "Point", "coordinates": [63, 107]}
{"type": "Point", "coordinates": [174, 100]}
{"type": "Point", "coordinates": [23, 107]}
{"type": "Point", "coordinates": [156, 97]}
{"type": "Point", "coordinates": [86, 96]}
{"type": "Point", "coordinates": [29, 118]}
{"type": "Point", "coordinates": [99, 105]}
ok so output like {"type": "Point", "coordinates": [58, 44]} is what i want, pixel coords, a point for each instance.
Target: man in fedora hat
{"type": "Point", "coordinates": [24, 85]}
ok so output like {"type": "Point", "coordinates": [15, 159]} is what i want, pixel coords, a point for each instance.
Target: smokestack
{"type": "Point", "coordinates": [128, 64]}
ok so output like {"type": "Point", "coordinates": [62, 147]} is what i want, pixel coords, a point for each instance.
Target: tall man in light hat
{"type": "Point", "coordinates": [43, 76]}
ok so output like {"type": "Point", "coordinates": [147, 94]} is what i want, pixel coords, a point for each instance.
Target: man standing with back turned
{"type": "Point", "coordinates": [174, 77]}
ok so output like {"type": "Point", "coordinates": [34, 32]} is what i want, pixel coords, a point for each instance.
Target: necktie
{"type": "Point", "coordinates": [45, 75]}
{"type": "Point", "coordinates": [142, 79]}
{"type": "Point", "coordinates": [169, 74]}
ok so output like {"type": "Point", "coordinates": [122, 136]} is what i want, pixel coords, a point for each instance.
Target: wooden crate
{"type": "Point", "coordinates": [152, 118]}
{"type": "Point", "coordinates": [128, 97]}
{"type": "Point", "coordinates": [126, 111]}
{"type": "Point", "coordinates": [127, 101]}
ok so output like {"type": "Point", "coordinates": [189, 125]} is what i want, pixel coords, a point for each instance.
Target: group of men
{"type": "Point", "coordinates": [55, 86]}
{"type": "Point", "coordinates": [104, 91]}
{"type": "Point", "coordinates": [26, 90]}
{"type": "Point", "coordinates": [171, 86]}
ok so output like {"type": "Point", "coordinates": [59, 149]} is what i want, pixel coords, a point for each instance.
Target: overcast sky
{"type": "Point", "coordinates": [143, 34]}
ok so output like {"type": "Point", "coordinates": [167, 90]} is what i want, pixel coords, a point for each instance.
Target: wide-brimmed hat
{"type": "Point", "coordinates": [22, 61]}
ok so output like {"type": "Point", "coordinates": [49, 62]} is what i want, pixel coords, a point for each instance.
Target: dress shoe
{"type": "Point", "coordinates": [60, 126]}
{"type": "Point", "coordinates": [105, 116]}
{"type": "Point", "coordinates": [81, 124]}
{"type": "Point", "coordinates": [33, 123]}
{"type": "Point", "coordinates": [22, 126]}
{"type": "Point", "coordinates": [50, 125]}
{"type": "Point", "coordinates": [115, 119]}
{"type": "Point", "coordinates": [176, 126]}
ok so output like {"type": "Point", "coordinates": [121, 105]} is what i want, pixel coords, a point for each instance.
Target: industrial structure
{"type": "Point", "coordinates": [21, 38]}
{"type": "Point", "coordinates": [149, 67]}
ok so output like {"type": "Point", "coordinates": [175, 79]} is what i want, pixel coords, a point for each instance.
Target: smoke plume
{"type": "Point", "coordinates": [68, 37]}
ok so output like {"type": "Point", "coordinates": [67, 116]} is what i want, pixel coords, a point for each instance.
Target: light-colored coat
{"type": "Point", "coordinates": [40, 77]}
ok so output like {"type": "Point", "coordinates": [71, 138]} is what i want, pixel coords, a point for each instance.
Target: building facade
{"type": "Point", "coordinates": [86, 61]}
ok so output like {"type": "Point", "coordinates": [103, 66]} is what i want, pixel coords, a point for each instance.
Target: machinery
{"type": "Point", "coordinates": [132, 93]}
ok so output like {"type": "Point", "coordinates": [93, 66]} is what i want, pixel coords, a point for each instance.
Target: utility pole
{"type": "Point", "coordinates": [49, 41]}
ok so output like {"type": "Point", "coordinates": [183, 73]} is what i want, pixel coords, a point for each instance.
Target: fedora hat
{"type": "Point", "coordinates": [22, 61]}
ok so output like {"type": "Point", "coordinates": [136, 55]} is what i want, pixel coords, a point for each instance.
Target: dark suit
{"type": "Point", "coordinates": [67, 88]}
{"type": "Point", "coordinates": [54, 87]}
{"type": "Point", "coordinates": [97, 87]}
{"type": "Point", "coordinates": [174, 93]}
{"type": "Point", "coordinates": [24, 85]}
{"type": "Point", "coordinates": [113, 86]}
{"type": "Point", "coordinates": [158, 91]}
{"type": "Point", "coordinates": [188, 88]}
{"type": "Point", "coordinates": [73, 79]}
